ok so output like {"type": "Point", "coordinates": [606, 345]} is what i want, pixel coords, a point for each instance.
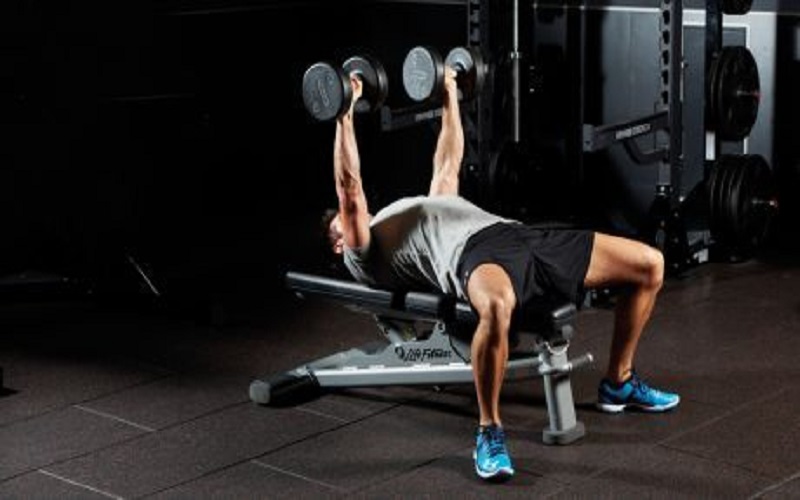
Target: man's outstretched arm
{"type": "Point", "coordinates": [353, 210]}
{"type": "Point", "coordinates": [450, 144]}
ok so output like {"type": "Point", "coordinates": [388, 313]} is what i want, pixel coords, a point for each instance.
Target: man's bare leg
{"type": "Point", "coordinates": [640, 269]}
{"type": "Point", "coordinates": [492, 295]}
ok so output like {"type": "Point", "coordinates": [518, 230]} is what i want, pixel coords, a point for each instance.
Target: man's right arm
{"type": "Point", "coordinates": [353, 210]}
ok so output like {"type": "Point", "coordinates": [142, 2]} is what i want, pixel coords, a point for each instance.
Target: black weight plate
{"type": "Point", "coordinates": [722, 198]}
{"type": "Point", "coordinates": [326, 91]}
{"type": "Point", "coordinates": [460, 59]}
{"type": "Point", "coordinates": [711, 186]}
{"type": "Point", "coordinates": [748, 231]}
{"type": "Point", "coordinates": [756, 212]}
{"type": "Point", "coordinates": [711, 94]}
{"type": "Point", "coordinates": [470, 69]}
{"type": "Point", "coordinates": [717, 213]}
{"type": "Point", "coordinates": [374, 79]}
{"type": "Point", "coordinates": [736, 93]}
{"type": "Point", "coordinates": [738, 192]}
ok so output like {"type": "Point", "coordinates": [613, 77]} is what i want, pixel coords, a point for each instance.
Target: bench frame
{"type": "Point", "coordinates": [426, 341]}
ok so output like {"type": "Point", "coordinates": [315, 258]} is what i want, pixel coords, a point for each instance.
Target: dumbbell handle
{"type": "Point", "coordinates": [468, 64]}
{"type": "Point", "coordinates": [374, 84]}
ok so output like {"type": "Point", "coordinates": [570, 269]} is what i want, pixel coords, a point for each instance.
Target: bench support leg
{"type": "Point", "coordinates": [564, 427]}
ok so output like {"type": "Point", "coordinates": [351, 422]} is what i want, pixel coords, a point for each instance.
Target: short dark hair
{"type": "Point", "coordinates": [325, 224]}
{"type": "Point", "coordinates": [333, 262]}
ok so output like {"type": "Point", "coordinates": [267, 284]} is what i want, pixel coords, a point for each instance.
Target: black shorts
{"type": "Point", "coordinates": [540, 262]}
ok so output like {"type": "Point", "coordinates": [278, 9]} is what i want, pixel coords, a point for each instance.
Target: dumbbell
{"type": "Point", "coordinates": [423, 72]}
{"type": "Point", "coordinates": [327, 93]}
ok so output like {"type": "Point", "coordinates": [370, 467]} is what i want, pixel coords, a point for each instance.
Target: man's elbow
{"type": "Point", "coordinates": [352, 204]}
{"type": "Point", "coordinates": [444, 185]}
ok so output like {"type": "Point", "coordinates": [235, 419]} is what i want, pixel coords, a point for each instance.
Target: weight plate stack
{"type": "Point", "coordinates": [742, 203]}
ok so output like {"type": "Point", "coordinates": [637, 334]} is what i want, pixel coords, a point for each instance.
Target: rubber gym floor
{"type": "Point", "coordinates": [103, 402]}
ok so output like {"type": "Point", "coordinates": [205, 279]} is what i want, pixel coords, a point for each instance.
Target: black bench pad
{"type": "Point", "coordinates": [544, 313]}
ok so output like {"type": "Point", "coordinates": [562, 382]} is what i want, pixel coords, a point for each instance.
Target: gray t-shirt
{"type": "Point", "coordinates": [416, 242]}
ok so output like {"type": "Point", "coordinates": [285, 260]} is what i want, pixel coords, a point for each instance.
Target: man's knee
{"type": "Point", "coordinates": [496, 310]}
{"type": "Point", "coordinates": [653, 268]}
{"type": "Point", "coordinates": [491, 293]}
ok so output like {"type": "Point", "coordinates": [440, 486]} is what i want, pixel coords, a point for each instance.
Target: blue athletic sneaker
{"type": "Point", "coordinates": [491, 456]}
{"type": "Point", "coordinates": [634, 393]}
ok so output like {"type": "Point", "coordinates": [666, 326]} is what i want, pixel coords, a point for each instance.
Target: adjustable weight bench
{"type": "Point", "coordinates": [426, 341]}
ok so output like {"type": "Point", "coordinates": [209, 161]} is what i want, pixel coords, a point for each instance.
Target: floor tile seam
{"type": "Point", "coordinates": [740, 467]}
{"type": "Point", "coordinates": [109, 446]}
{"type": "Point", "coordinates": [725, 414]}
{"type": "Point", "coordinates": [296, 475]}
{"type": "Point", "coordinates": [111, 416]}
{"type": "Point", "coordinates": [356, 490]}
{"type": "Point", "coordinates": [777, 485]}
{"type": "Point", "coordinates": [247, 460]}
{"type": "Point", "coordinates": [664, 444]}
{"type": "Point", "coordinates": [80, 485]}
{"type": "Point", "coordinates": [460, 450]}
{"type": "Point", "coordinates": [322, 414]}
{"type": "Point", "coordinates": [566, 486]}
{"type": "Point", "coordinates": [173, 425]}
{"type": "Point", "coordinates": [346, 422]}
{"type": "Point", "coordinates": [146, 434]}
{"type": "Point", "coordinates": [42, 468]}
{"type": "Point", "coordinates": [527, 470]}
{"type": "Point", "coordinates": [251, 458]}
{"type": "Point", "coordinates": [602, 470]}
{"type": "Point", "coordinates": [80, 402]}
{"type": "Point", "coordinates": [258, 458]}
{"type": "Point", "coordinates": [366, 487]}
{"type": "Point", "coordinates": [342, 424]}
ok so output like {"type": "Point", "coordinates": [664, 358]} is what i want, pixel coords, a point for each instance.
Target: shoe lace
{"type": "Point", "coordinates": [642, 388]}
{"type": "Point", "coordinates": [494, 441]}
{"type": "Point", "coordinates": [639, 385]}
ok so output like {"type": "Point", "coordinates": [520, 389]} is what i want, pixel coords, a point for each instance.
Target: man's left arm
{"type": "Point", "coordinates": [450, 143]}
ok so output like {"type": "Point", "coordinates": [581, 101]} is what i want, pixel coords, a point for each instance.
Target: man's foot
{"type": "Point", "coordinates": [634, 393]}
{"type": "Point", "coordinates": [492, 461]}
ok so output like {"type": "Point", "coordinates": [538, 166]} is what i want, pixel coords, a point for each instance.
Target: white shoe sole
{"type": "Point", "coordinates": [612, 408]}
{"type": "Point", "coordinates": [500, 474]}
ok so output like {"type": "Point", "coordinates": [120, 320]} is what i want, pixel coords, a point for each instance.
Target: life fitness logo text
{"type": "Point", "coordinates": [418, 355]}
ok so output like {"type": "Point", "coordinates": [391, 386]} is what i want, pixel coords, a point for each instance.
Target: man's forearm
{"type": "Point", "coordinates": [449, 150]}
{"type": "Point", "coordinates": [353, 209]}
{"type": "Point", "coordinates": [346, 161]}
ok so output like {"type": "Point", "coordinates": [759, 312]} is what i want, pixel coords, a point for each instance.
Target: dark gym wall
{"type": "Point", "coordinates": [173, 134]}
{"type": "Point", "coordinates": [787, 111]}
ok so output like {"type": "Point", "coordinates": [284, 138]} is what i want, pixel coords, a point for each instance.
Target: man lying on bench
{"type": "Point", "coordinates": [444, 243]}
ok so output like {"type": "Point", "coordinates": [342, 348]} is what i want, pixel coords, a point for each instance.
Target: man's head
{"type": "Point", "coordinates": [331, 226]}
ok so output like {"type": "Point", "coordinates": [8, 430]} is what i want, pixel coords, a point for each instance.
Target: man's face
{"type": "Point", "coordinates": [335, 235]}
